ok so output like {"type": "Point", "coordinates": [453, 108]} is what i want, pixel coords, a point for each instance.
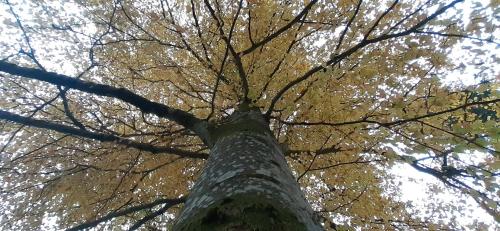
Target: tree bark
{"type": "Point", "coordinates": [246, 183]}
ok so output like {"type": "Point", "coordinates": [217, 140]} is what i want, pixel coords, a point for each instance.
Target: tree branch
{"type": "Point", "coordinates": [168, 204]}
{"type": "Point", "coordinates": [67, 111]}
{"type": "Point", "coordinates": [489, 40]}
{"type": "Point", "coordinates": [389, 124]}
{"type": "Point", "coordinates": [431, 114]}
{"type": "Point", "coordinates": [96, 136]}
{"type": "Point", "coordinates": [365, 42]}
{"type": "Point", "coordinates": [380, 19]}
{"type": "Point", "coordinates": [279, 31]}
{"type": "Point", "coordinates": [344, 32]}
{"type": "Point", "coordinates": [181, 117]}
{"type": "Point", "coordinates": [149, 217]}
{"type": "Point", "coordinates": [227, 40]}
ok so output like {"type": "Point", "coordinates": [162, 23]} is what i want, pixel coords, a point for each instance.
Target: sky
{"type": "Point", "coordinates": [417, 188]}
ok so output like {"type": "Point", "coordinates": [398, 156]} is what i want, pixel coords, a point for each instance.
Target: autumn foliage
{"type": "Point", "coordinates": [101, 105]}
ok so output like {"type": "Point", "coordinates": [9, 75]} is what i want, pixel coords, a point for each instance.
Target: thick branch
{"type": "Point", "coordinates": [168, 203]}
{"type": "Point", "coordinates": [149, 217]}
{"type": "Point", "coordinates": [181, 117]}
{"type": "Point", "coordinates": [96, 136]}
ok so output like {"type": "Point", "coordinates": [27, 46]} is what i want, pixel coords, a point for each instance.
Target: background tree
{"type": "Point", "coordinates": [104, 104]}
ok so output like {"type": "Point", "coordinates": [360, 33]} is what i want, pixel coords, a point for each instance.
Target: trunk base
{"type": "Point", "coordinates": [245, 212]}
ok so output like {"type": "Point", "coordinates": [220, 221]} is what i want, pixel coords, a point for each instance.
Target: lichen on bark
{"type": "Point", "coordinates": [246, 183]}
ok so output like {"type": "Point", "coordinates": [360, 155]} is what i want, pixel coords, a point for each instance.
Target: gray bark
{"type": "Point", "coordinates": [246, 183]}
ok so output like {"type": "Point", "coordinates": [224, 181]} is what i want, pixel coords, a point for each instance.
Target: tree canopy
{"type": "Point", "coordinates": [105, 105]}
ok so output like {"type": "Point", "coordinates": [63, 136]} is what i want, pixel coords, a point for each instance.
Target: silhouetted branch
{"type": "Point", "coordinates": [279, 31]}
{"type": "Point", "coordinates": [472, 141]}
{"type": "Point", "coordinates": [168, 204]}
{"type": "Point", "coordinates": [480, 197]}
{"type": "Point", "coordinates": [31, 52]}
{"type": "Point", "coordinates": [149, 217]}
{"type": "Point", "coordinates": [227, 40]}
{"type": "Point", "coordinates": [181, 117]}
{"type": "Point", "coordinates": [67, 111]}
{"type": "Point", "coordinates": [198, 31]}
{"type": "Point", "coordinates": [96, 136]}
{"type": "Point", "coordinates": [379, 19]}
{"type": "Point", "coordinates": [393, 123]}
{"type": "Point", "coordinates": [431, 114]}
{"type": "Point", "coordinates": [489, 40]}
{"type": "Point", "coordinates": [341, 38]}
{"type": "Point", "coordinates": [365, 42]}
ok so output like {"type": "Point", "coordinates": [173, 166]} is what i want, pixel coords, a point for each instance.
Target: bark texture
{"type": "Point", "coordinates": [246, 183]}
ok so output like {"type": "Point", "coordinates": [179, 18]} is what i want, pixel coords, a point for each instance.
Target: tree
{"type": "Point", "coordinates": [113, 113]}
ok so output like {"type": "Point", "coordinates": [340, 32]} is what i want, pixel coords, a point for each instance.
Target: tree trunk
{"type": "Point", "coordinates": [246, 183]}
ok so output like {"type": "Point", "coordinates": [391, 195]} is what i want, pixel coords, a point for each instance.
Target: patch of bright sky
{"type": "Point", "coordinates": [421, 190]}
{"type": "Point", "coordinates": [469, 74]}
{"type": "Point", "coordinates": [416, 187]}
{"type": "Point", "coordinates": [51, 50]}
